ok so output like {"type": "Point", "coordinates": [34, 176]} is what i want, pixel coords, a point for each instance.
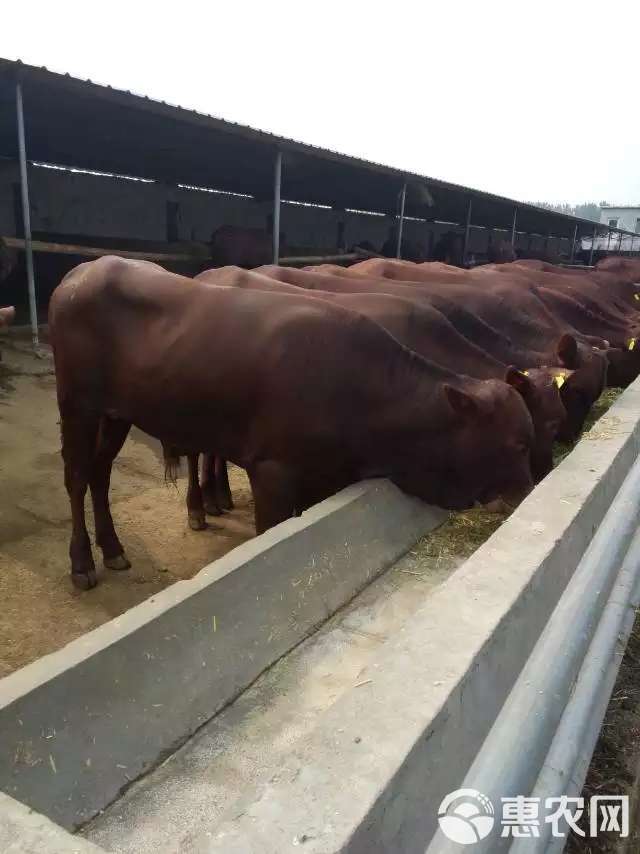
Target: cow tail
{"type": "Point", "coordinates": [171, 464]}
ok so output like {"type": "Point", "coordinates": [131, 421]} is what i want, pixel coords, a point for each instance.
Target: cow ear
{"type": "Point", "coordinates": [567, 351]}
{"type": "Point", "coordinates": [461, 402]}
{"type": "Point", "coordinates": [518, 379]}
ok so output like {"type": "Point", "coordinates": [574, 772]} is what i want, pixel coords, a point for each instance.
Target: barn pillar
{"type": "Point", "coordinates": [593, 244]}
{"type": "Point", "coordinates": [467, 226]}
{"type": "Point", "coordinates": [26, 215]}
{"type": "Point", "coordinates": [277, 181]}
{"type": "Point", "coordinates": [403, 198]}
{"type": "Point", "coordinates": [513, 226]}
{"type": "Point", "coordinates": [573, 244]}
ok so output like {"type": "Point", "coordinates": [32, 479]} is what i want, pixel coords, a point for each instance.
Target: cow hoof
{"type": "Point", "coordinates": [118, 562]}
{"type": "Point", "coordinates": [212, 509]}
{"type": "Point", "coordinates": [225, 503]}
{"type": "Point", "coordinates": [84, 580]}
{"type": "Point", "coordinates": [197, 521]}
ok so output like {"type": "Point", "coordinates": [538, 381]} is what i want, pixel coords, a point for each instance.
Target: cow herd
{"type": "Point", "coordinates": [452, 383]}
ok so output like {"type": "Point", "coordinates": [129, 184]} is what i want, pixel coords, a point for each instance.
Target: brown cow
{"type": "Point", "coordinates": [7, 316]}
{"type": "Point", "coordinates": [495, 319]}
{"type": "Point", "coordinates": [426, 331]}
{"type": "Point", "coordinates": [306, 396]}
{"type": "Point", "coordinates": [527, 312]}
{"type": "Point", "coordinates": [246, 247]}
{"type": "Point", "coordinates": [626, 269]}
{"type": "Point", "coordinates": [590, 289]}
{"type": "Point", "coordinates": [619, 278]}
{"type": "Point", "coordinates": [594, 308]}
{"type": "Point", "coordinates": [501, 252]}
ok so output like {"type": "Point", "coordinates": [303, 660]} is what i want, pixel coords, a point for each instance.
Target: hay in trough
{"type": "Point", "coordinates": [592, 428]}
{"type": "Point", "coordinates": [457, 539]}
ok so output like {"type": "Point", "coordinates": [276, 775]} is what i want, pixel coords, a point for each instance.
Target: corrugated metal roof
{"type": "Point", "coordinates": [78, 122]}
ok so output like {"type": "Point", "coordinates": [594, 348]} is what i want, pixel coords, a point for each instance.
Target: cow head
{"type": "Point", "coordinates": [540, 390]}
{"type": "Point", "coordinates": [581, 376]}
{"type": "Point", "coordinates": [482, 451]}
{"type": "Point", "coordinates": [623, 363]}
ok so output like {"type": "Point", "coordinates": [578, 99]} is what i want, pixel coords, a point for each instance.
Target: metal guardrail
{"type": "Point", "coordinates": [541, 743]}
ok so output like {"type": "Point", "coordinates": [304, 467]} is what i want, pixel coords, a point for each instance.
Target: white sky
{"type": "Point", "coordinates": [532, 100]}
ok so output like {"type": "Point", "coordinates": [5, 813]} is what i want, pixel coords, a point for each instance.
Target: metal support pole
{"type": "Point", "coordinates": [277, 180]}
{"type": "Point", "coordinates": [403, 198]}
{"type": "Point", "coordinates": [513, 226]}
{"type": "Point", "coordinates": [26, 216]}
{"type": "Point", "coordinates": [573, 245]}
{"type": "Point", "coordinates": [466, 234]}
{"type": "Point", "coordinates": [593, 243]}
{"type": "Point", "coordinates": [609, 241]}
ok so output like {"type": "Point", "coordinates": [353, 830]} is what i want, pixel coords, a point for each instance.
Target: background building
{"type": "Point", "coordinates": [626, 218]}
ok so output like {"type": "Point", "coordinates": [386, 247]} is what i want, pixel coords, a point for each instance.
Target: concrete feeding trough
{"type": "Point", "coordinates": [373, 773]}
{"type": "Point", "coordinates": [78, 725]}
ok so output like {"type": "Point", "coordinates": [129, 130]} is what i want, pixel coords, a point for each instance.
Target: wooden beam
{"type": "Point", "coordinates": [99, 251]}
{"type": "Point", "coordinates": [304, 260]}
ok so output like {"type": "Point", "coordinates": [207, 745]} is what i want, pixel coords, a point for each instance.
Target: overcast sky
{"type": "Point", "coordinates": [536, 101]}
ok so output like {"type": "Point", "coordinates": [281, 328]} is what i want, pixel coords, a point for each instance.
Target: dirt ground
{"type": "Point", "coordinates": [40, 610]}
{"type": "Point", "coordinates": [615, 767]}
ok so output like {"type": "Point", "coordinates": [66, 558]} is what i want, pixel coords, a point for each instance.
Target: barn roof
{"type": "Point", "coordinates": [83, 124]}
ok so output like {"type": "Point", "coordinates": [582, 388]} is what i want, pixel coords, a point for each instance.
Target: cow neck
{"type": "Point", "coordinates": [417, 404]}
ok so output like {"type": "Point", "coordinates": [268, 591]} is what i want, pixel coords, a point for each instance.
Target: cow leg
{"type": "Point", "coordinates": [274, 494]}
{"type": "Point", "coordinates": [111, 436]}
{"type": "Point", "coordinates": [195, 506]}
{"type": "Point", "coordinates": [223, 490]}
{"type": "Point", "coordinates": [209, 485]}
{"type": "Point", "coordinates": [79, 434]}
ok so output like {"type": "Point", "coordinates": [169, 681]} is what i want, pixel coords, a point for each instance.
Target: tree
{"type": "Point", "coordinates": [586, 210]}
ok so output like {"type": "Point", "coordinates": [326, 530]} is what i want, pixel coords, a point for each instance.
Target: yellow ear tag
{"type": "Point", "coordinates": [559, 380]}
{"type": "Point", "coordinates": [526, 373]}
{"type": "Point", "coordinates": [632, 344]}
{"type": "Point", "coordinates": [637, 296]}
